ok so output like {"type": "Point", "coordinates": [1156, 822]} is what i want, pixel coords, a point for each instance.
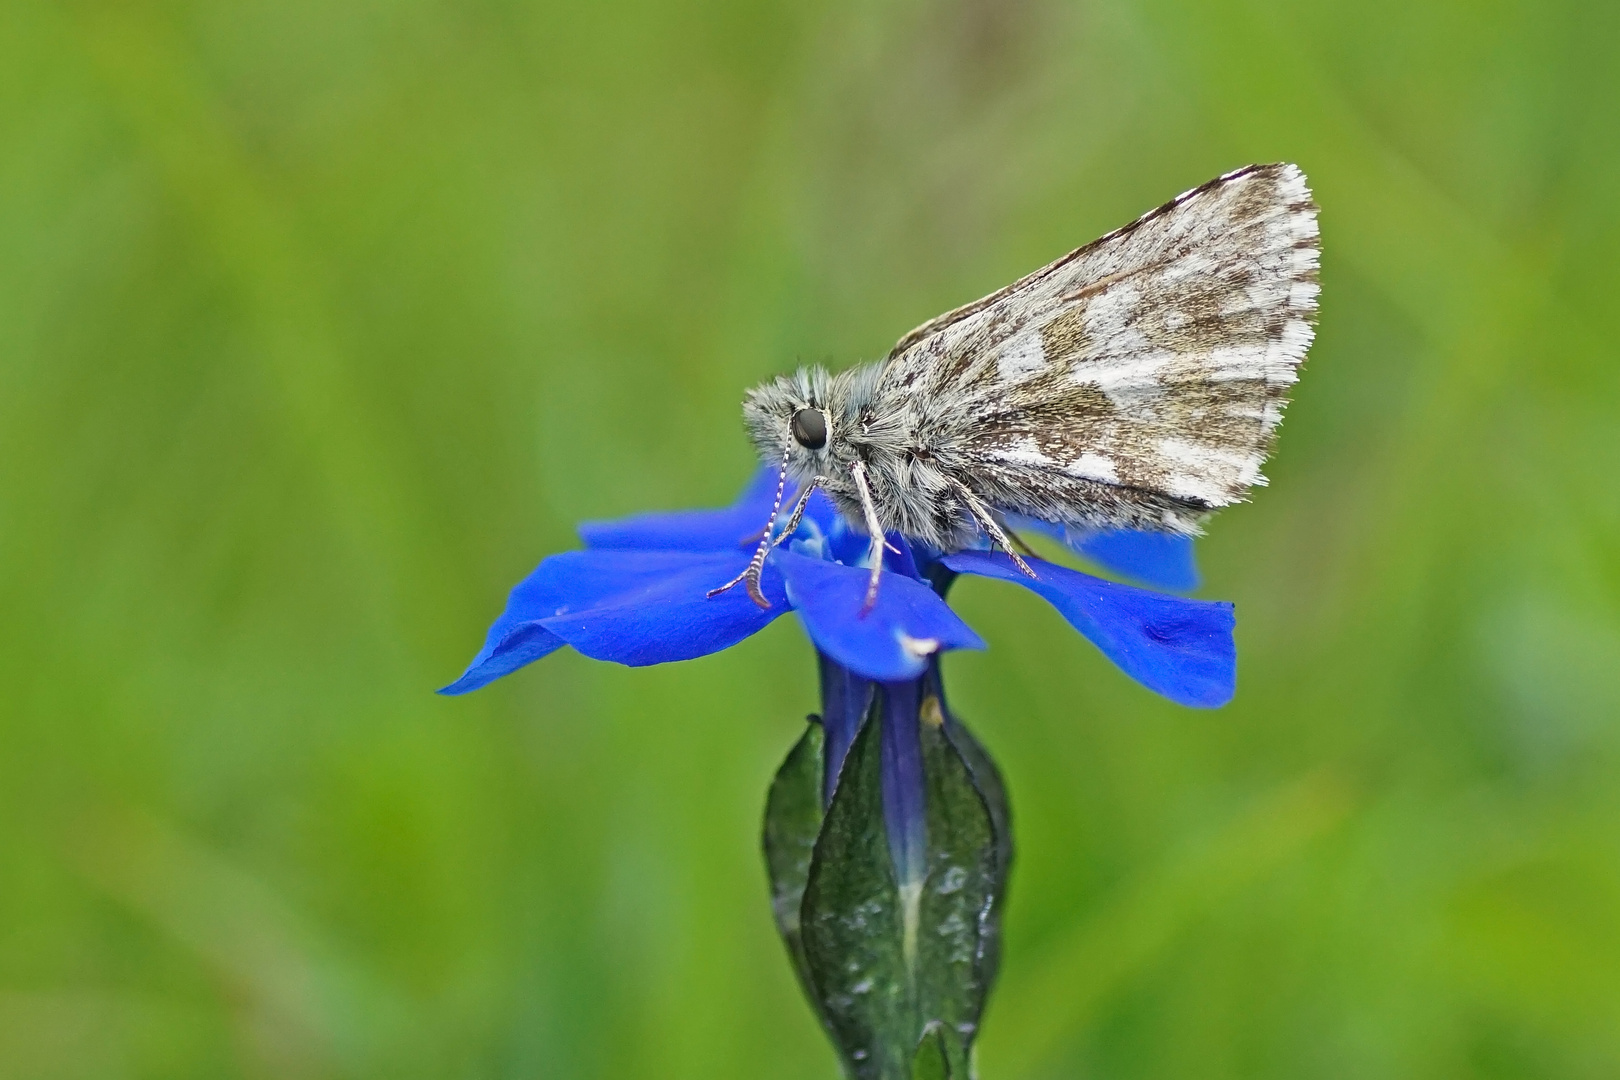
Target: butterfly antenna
{"type": "Point", "coordinates": [756, 565]}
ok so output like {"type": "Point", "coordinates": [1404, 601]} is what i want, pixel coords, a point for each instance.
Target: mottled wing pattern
{"type": "Point", "coordinates": [1136, 381]}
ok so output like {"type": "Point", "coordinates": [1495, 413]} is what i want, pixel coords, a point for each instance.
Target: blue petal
{"type": "Point", "coordinates": [901, 560]}
{"type": "Point", "coordinates": [1180, 648]}
{"type": "Point", "coordinates": [924, 557]}
{"type": "Point", "coordinates": [844, 545]}
{"type": "Point", "coordinates": [845, 697]}
{"type": "Point", "coordinates": [517, 638]}
{"type": "Point", "coordinates": [892, 641]}
{"type": "Point", "coordinates": [734, 528]}
{"type": "Point", "coordinates": [692, 530]}
{"type": "Point", "coordinates": [904, 787]}
{"type": "Point", "coordinates": [1159, 560]}
{"type": "Point", "coordinates": [1162, 560]}
{"type": "Point", "coordinates": [650, 607]}
{"type": "Point", "coordinates": [507, 647]}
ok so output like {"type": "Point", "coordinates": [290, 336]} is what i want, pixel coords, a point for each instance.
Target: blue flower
{"type": "Point", "coordinates": [637, 595]}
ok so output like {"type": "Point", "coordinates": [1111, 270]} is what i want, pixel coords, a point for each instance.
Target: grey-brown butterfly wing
{"type": "Point", "coordinates": [1138, 380]}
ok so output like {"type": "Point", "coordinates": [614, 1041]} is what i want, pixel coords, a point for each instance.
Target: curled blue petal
{"type": "Point", "coordinates": [1155, 559]}
{"type": "Point", "coordinates": [650, 607]}
{"type": "Point", "coordinates": [507, 647]}
{"type": "Point", "coordinates": [1177, 647]}
{"type": "Point", "coordinates": [517, 638]}
{"type": "Point", "coordinates": [891, 642]}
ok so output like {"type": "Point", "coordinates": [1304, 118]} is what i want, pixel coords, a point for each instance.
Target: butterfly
{"type": "Point", "coordinates": [1136, 382]}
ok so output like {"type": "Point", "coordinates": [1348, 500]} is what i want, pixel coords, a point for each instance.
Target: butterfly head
{"type": "Point", "coordinates": [790, 419]}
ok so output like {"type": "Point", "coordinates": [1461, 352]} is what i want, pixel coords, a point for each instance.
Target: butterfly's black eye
{"type": "Point", "coordinates": [810, 428]}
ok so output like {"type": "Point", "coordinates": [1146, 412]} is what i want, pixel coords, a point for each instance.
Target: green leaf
{"type": "Point", "coordinates": [852, 926]}
{"type": "Point", "coordinates": [932, 1062]}
{"type": "Point", "coordinates": [792, 822]}
{"type": "Point", "coordinates": [958, 932]}
{"type": "Point", "coordinates": [987, 779]}
{"type": "Point", "coordinates": [893, 969]}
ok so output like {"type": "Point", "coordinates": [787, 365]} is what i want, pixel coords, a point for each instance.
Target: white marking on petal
{"type": "Point", "coordinates": [918, 648]}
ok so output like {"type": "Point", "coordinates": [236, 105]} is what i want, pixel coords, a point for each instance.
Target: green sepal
{"type": "Point", "coordinates": [932, 1061]}
{"type": "Point", "coordinates": [958, 941]}
{"type": "Point", "coordinates": [987, 779]}
{"type": "Point", "coordinates": [793, 817]}
{"type": "Point", "coordinates": [898, 976]}
{"type": "Point", "coordinates": [852, 925]}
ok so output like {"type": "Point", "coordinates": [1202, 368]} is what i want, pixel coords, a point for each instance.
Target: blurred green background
{"type": "Point", "coordinates": [320, 323]}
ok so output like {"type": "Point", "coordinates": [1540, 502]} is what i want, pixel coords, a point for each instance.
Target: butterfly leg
{"type": "Point", "coordinates": [874, 528]}
{"type": "Point", "coordinates": [756, 565]}
{"type": "Point", "coordinates": [798, 511]}
{"type": "Point", "coordinates": [987, 521]}
{"type": "Point", "coordinates": [1023, 545]}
